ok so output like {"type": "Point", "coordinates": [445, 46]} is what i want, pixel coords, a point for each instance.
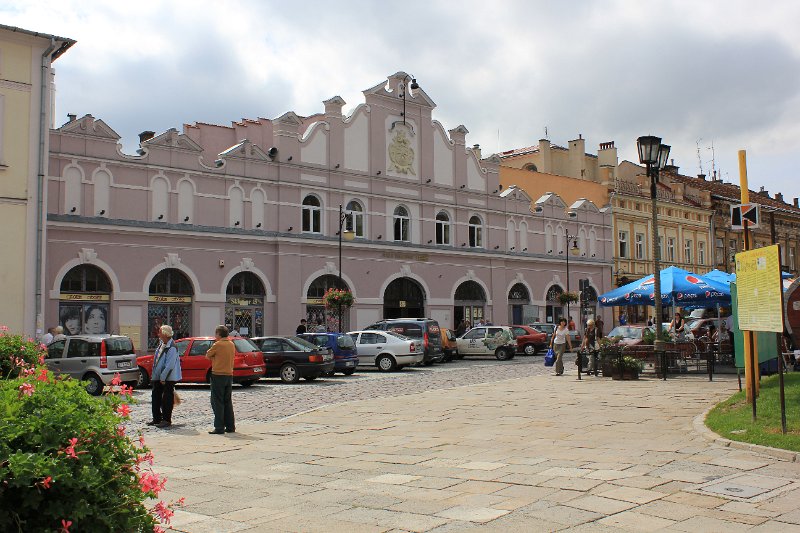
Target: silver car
{"type": "Point", "coordinates": [95, 359]}
{"type": "Point", "coordinates": [386, 350]}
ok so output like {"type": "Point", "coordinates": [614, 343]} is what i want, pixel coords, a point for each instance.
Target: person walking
{"type": "Point", "coordinates": [590, 344]}
{"type": "Point", "coordinates": [166, 372]}
{"type": "Point", "coordinates": [571, 324]}
{"type": "Point", "coordinates": [221, 355]}
{"type": "Point", "coordinates": [301, 328]}
{"type": "Point", "coordinates": [559, 343]}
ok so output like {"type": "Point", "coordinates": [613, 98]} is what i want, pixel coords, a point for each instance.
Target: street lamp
{"type": "Point", "coordinates": [574, 250]}
{"type": "Point", "coordinates": [413, 87]}
{"type": "Point", "coordinates": [348, 235]}
{"type": "Point", "coordinates": [654, 156]}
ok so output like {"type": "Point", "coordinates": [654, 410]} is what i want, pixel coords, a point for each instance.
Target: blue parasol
{"type": "Point", "coordinates": [678, 287]}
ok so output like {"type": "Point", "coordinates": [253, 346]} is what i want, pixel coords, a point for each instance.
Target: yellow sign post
{"type": "Point", "coordinates": [759, 287]}
{"type": "Point", "coordinates": [750, 367]}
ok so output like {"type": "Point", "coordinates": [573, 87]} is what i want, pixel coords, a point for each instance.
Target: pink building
{"type": "Point", "coordinates": [239, 224]}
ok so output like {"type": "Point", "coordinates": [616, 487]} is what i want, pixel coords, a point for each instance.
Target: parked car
{"type": "Point", "coordinates": [345, 355]}
{"type": "Point", "coordinates": [248, 363]}
{"type": "Point", "coordinates": [386, 350]}
{"type": "Point", "coordinates": [95, 359]}
{"type": "Point", "coordinates": [574, 336]}
{"type": "Point", "coordinates": [529, 340]}
{"type": "Point", "coordinates": [292, 358]}
{"type": "Point", "coordinates": [425, 330]}
{"type": "Point", "coordinates": [499, 341]}
{"type": "Point", "coordinates": [449, 346]}
{"type": "Point", "coordinates": [629, 335]}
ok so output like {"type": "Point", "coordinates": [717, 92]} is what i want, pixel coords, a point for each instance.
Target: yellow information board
{"type": "Point", "coordinates": [759, 286]}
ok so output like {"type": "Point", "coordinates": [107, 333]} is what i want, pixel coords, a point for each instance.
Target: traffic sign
{"type": "Point", "coordinates": [749, 212]}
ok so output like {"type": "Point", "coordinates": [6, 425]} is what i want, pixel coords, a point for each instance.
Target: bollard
{"type": "Point", "coordinates": [580, 364]}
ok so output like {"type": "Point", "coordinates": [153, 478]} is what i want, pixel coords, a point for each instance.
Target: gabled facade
{"type": "Point", "coordinates": [239, 224]}
{"type": "Point", "coordinates": [26, 101]}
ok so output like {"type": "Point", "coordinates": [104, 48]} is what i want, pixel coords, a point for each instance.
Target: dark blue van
{"type": "Point", "coordinates": [345, 356]}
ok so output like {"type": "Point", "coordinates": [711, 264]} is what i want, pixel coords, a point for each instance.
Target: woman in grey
{"type": "Point", "coordinates": [559, 343]}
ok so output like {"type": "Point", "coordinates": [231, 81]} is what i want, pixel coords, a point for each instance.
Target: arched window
{"type": "Point", "coordinates": [475, 232]}
{"type": "Point", "coordinates": [84, 305]}
{"type": "Point", "coordinates": [442, 228]}
{"type": "Point", "coordinates": [402, 224]}
{"type": "Point", "coordinates": [316, 313]}
{"type": "Point", "coordinates": [530, 167]}
{"type": "Point", "coordinates": [170, 303]}
{"type": "Point", "coordinates": [244, 304]}
{"type": "Point", "coordinates": [312, 215]}
{"type": "Point", "coordinates": [355, 221]}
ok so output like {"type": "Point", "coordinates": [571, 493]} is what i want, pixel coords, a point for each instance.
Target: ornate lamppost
{"type": "Point", "coordinates": [348, 234]}
{"type": "Point", "coordinates": [654, 156]}
{"type": "Point", "coordinates": [413, 87]}
{"type": "Point", "coordinates": [574, 250]}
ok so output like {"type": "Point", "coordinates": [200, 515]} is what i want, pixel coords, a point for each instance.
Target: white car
{"type": "Point", "coordinates": [499, 341]}
{"type": "Point", "coordinates": [386, 350]}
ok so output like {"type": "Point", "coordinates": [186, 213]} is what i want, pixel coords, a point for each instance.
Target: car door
{"type": "Point", "coordinates": [55, 356]}
{"type": "Point", "coordinates": [194, 365]}
{"type": "Point", "coordinates": [77, 359]}
{"type": "Point", "coordinates": [368, 347]}
{"type": "Point", "coordinates": [472, 341]}
{"type": "Point", "coordinates": [273, 354]}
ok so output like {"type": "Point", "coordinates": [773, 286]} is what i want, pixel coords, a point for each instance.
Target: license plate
{"type": "Point", "coordinates": [123, 364]}
{"type": "Point", "coordinates": [256, 371]}
{"type": "Point", "coordinates": [350, 363]}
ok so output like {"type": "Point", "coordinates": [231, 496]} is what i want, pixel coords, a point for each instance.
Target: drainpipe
{"type": "Point", "coordinates": [44, 129]}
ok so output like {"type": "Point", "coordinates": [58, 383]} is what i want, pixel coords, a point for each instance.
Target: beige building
{"type": "Point", "coordinates": [684, 210]}
{"type": "Point", "coordinates": [26, 102]}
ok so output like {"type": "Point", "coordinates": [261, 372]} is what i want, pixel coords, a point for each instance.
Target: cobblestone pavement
{"type": "Point", "coordinates": [270, 399]}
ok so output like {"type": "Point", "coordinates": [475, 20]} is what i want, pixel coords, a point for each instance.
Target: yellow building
{"type": "Point", "coordinates": [684, 210]}
{"type": "Point", "coordinates": [26, 101]}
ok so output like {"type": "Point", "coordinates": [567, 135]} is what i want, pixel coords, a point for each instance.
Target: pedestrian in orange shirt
{"type": "Point", "coordinates": [221, 355]}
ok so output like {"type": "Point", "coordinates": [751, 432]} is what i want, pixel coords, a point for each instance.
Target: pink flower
{"type": "Point", "coordinates": [28, 371]}
{"type": "Point", "coordinates": [120, 431]}
{"type": "Point", "coordinates": [41, 359]}
{"type": "Point", "coordinates": [126, 390]}
{"type": "Point", "coordinates": [117, 380]}
{"type": "Point", "coordinates": [65, 525]}
{"type": "Point", "coordinates": [124, 410]}
{"type": "Point", "coordinates": [26, 389]}
{"type": "Point", "coordinates": [146, 458]}
{"type": "Point", "coordinates": [3, 328]}
{"type": "Point", "coordinates": [159, 529]}
{"type": "Point", "coordinates": [163, 512]}
{"type": "Point", "coordinates": [43, 376]}
{"type": "Point", "coordinates": [45, 483]}
{"type": "Point", "coordinates": [150, 482]}
{"type": "Point", "coordinates": [70, 450]}
{"type": "Point", "coordinates": [141, 441]}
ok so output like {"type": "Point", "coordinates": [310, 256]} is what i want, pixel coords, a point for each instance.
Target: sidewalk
{"type": "Point", "coordinates": [542, 453]}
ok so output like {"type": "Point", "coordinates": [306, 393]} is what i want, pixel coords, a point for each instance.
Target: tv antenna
{"type": "Point", "coordinates": [699, 159]}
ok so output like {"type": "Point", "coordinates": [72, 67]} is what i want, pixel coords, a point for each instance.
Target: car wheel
{"type": "Point", "coordinates": [503, 354]}
{"type": "Point", "coordinates": [385, 363]}
{"type": "Point", "coordinates": [428, 362]}
{"type": "Point", "coordinates": [289, 373]}
{"type": "Point", "coordinates": [248, 383]}
{"type": "Point", "coordinates": [530, 349]}
{"type": "Point", "coordinates": [94, 385]}
{"type": "Point", "coordinates": [143, 380]}
{"type": "Point", "coordinates": [349, 371]}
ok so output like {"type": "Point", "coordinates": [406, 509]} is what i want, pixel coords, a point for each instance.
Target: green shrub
{"type": "Point", "coordinates": [16, 352]}
{"type": "Point", "coordinates": [66, 462]}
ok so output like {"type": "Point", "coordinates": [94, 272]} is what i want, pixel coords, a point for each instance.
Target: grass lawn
{"type": "Point", "coordinates": [732, 418]}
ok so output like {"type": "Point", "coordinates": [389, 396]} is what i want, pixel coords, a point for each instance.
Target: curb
{"type": "Point", "coordinates": [699, 424]}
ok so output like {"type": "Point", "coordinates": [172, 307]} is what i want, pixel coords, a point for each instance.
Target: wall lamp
{"type": "Point", "coordinates": [430, 241]}
{"type": "Point", "coordinates": [549, 251]}
{"type": "Point", "coordinates": [160, 217]}
{"type": "Point", "coordinates": [380, 236]}
{"type": "Point", "coordinates": [186, 219]}
{"type": "Point", "coordinates": [73, 209]}
{"type": "Point", "coordinates": [258, 225]}
{"type": "Point", "coordinates": [594, 255]}
{"type": "Point", "coordinates": [337, 165]}
{"type": "Point", "coordinates": [102, 212]}
{"type": "Point", "coordinates": [219, 162]}
{"type": "Point", "coordinates": [463, 244]}
{"type": "Point", "coordinates": [290, 228]}
{"type": "Point", "coordinates": [512, 247]}
{"type": "Point", "coordinates": [524, 249]}
{"type": "Point", "coordinates": [497, 247]}
{"type": "Point", "coordinates": [428, 180]}
{"type": "Point", "coordinates": [236, 223]}
{"type": "Point", "coordinates": [378, 173]}
{"type": "Point", "coordinates": [289, 158]}
{"type": "Point", "coordinates": [463, 186]}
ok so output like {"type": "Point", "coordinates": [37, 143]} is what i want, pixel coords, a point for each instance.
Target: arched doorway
{"type": "Point", "coordinates": [170, 302]}
{"type": "Point", "coordinates": [316, 314]}
{"type": "Point", "coordinates": [555, 309]}
{"type": "Point", "coordinates": [520, 310]}
{"type": "Point", "coordinates": [403, 298]}
{"type": "Point", "coordinates": [470, 301]}
{"type": "Point", "coordinates": [84, 302]}
{"type": "Point", "coordinates": [588, 304]}
{"type": "Point", "coordinates": [244, 304]}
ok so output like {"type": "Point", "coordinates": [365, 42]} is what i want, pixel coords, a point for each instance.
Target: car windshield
{"type": "Point", "coordinates": [626, 332]}
{"type": "Point", "coordinates": [399, 336]}
{"type": "Point", "coordinates": [118, 346]}
{"type": "Point", "coordinates": [245, 345]}
{"type": "Point", "coordinates": [302, 344]}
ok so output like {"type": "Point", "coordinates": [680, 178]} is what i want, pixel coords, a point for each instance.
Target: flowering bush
{"type": "Point", "coordinates": [66, 463]}
{"type": "Point", "coordinates": [16, 352]}
{"type": "Point", "coordinates": [338, 297]}
{"type": "Point", "coordinates": [568, 297]}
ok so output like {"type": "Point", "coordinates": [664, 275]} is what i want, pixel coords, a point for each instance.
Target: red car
{"type": "Point", "coordinates": [529, 340]}
{"type": "Point", "coordinates": [248, 363]}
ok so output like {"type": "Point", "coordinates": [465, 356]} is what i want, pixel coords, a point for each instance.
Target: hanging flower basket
{"type": "Point", "coordinates": [336, 298]}
{"type": "Point", "coordinates": [568, 297]}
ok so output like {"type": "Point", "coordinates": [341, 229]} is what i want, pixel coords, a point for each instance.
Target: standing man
{"type": "Point", "coordinates": [598, 323]}
{"type": "Point", "coordinates": [571, 324]}
{"type": "Point", "coordinates": [590, 345]}
{"type": "Point", "coordinates": [221, 355]}
{"type": "Point", "coordinates": [301, 328]}
{"type": "Point", "coordinates": [166, 372]}
{"type": "Point", "coordinates": [47, 338]}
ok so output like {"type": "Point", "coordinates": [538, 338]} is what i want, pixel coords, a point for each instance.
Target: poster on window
{"type": "Point", "coordinates": [90, 318]}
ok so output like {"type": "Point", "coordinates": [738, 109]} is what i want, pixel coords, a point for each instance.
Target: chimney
{"type": "Point", "coordinates": [763, 191]}
{"type": "Point", "coordinates": [795, 202]}
{"type": "Point", "coordinates": [146, 136]}
{"type": "Point", "coordinates": [779, 197]}
{"type": "Point", "coordinates": [72, 117]}
{"type": "Point", "coordinates": [701, 177]}
{"type": "Point", "coordinates": [477, 149]}
{"type": "Point", "coordinates": [607, 146]}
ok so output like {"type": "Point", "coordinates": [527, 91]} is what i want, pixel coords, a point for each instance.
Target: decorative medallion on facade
{"type": "Point", "coordinates": [401, 154]}
{"type": "Point", "coordinates": [247, 263]}
{"type": "Point", "coordinates": [87, 255]}
{"type": "Point", "coordinates": [172, 260]}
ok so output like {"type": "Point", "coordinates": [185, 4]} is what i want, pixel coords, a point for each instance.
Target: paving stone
{"type": "Point", "coordinates": [709, 525]}
{"type": "Point", "coordinates": [478, 465]}
{"type": "Point", "coordinates": [393, 479]}
{"type": "Point", "coordinates": [390, 519]}
{"type": "Point", "coordinates": [633, 495]}
{"type": "Point", "coordinates": [473, 514]}
{"type": "Point", "coordinates": [633, 521]}
{"type": "Point", "coordinates": [598, 504]}
{"type": "Point", "coordinates": [479, 487]}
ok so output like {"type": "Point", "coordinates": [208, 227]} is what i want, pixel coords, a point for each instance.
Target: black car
{"type": "Point", "coordinates": [292, 358]}
{"type": "Point", "coordinates": [425, 330]}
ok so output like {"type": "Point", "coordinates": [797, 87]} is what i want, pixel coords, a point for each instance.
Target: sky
{"type": "Point", "coordinates": [722, 74]}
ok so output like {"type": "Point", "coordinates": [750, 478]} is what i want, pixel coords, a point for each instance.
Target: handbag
{"type": "Point", "coordinates": [550, 357]}
{"type": "Point", "coordinates": [176, 400]}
